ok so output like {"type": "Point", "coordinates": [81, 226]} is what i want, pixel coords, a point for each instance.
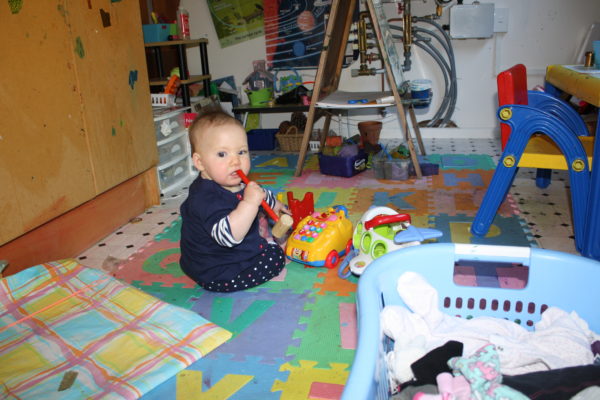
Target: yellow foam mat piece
{"type": "Point", "coordinates": [301, 378]}
{"type": "Point", "coordinates": [189, 386]}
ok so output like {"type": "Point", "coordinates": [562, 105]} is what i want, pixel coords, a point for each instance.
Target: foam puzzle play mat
{"type": "Point", "coordinates": [295, 336]}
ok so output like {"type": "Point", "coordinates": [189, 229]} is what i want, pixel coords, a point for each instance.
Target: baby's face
{"type": "Point", "coordinates": [223, 151]}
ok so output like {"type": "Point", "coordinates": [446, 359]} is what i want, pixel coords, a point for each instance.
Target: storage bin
{"type": "Point", "coordinates": [557, 279]}
{"type": "Point", "coordinates": [394, 169]}
{"type": "Point", "coordinates": [173, 148]}
{"type": "Point", "coordinates": [174, 173]}
{"type": "Point", "coordinates": [262, 139]}
{"type": "Point", "coordinates": [343, 166]}
{"type": "Point", "coordinates": [158, 32]}
{"type": "Point", "coordinates": [168, 122]}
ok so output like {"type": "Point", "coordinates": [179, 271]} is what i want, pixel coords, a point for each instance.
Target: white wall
{"type": "Point", "coordinates": [540, 32]}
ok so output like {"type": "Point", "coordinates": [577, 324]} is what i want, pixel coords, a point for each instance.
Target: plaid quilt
{"type": "Point", "coordinates": [71, 332]}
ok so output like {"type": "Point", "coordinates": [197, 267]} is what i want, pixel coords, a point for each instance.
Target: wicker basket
{"type": "Point", "coordinates": [291, 140]}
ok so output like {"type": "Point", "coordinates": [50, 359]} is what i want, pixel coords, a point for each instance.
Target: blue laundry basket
{"type": "Point", "coordinates": [556, 279]}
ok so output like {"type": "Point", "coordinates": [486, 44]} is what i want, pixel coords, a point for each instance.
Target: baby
{"type": "Point", "coordinates": [221, 247]}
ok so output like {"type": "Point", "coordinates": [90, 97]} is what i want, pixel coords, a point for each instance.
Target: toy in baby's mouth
{"type": "Point", "coordinates": [321, 239]}
{"type": "Point", "coordinates": [379, 231]}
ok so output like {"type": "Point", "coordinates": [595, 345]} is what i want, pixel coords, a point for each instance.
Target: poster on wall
{"type": "Point", "coordinates": [294, 32]}
{"type": "Point", "coordinates": [236, 21]}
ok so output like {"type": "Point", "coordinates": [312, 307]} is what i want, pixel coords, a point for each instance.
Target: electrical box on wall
{"type": "Point", "coordinates": [472, 21]}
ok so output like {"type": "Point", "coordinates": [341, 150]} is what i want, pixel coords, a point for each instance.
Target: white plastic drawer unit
{"type": "Point", "coordinates": [168, 123]}
{"type": "Point", "coordinates": [174, 173]}
{"type": "Point", "coordinates": [173, 147]}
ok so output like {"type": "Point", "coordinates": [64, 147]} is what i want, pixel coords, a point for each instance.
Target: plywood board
{"type": "Point", "coordinates": [43, 143]}
{"type": "Point", "coordinates": [111, 69]}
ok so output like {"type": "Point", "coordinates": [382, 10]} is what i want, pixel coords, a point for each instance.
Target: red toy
{"type": "Point", "coordinates": [300, 209]}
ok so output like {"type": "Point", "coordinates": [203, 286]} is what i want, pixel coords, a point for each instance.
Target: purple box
{"type": "Point", "coordinates": [343, 166]}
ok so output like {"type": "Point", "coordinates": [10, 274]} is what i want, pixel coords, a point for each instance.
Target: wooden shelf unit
{"type": "Point", "coordinates": [186, 79]}
{"type": "Point", "coordinates": [190, 80]}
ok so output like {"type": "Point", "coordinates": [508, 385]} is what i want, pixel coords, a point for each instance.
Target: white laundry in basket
{"type": "Point", "coordinates": [559, 340]}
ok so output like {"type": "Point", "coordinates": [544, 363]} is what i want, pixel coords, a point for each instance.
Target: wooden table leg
{"type": "Point", "coordinates": [415, 124]}
{"type": "Point", "coordinates": [325, 132]}
{"type": "Point", "coordinates": [409, 143]}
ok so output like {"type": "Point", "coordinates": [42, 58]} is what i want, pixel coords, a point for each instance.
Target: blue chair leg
{"type": "Point", "coordinates": [493, 198]}
{"type": "Point", "coordinates": [580, 188]}
{"type": "Point", "coordinates": [591, 238]}
{"type": "Point", "coordinates": [543, 178]}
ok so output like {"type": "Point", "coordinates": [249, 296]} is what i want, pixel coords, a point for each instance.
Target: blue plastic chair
{"type": "Point", "coordinates": [562, 111]}
{"type": "Point", "coordinates": [551, 118]}
{"type": "Point", "coordinates": [512, 89]}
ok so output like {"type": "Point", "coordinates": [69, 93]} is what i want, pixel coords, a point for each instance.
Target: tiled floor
{"type": "Point", "coordinates": [546, 210]}
{"type": "Point", "coordinates": [128, 239]}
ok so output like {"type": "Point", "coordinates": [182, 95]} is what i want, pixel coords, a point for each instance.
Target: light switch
{"type": "Point", "coordinates": [500, 19]}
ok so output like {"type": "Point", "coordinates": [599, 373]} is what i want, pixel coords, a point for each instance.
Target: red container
{"type": "Point", "coordinates": [189, 118]}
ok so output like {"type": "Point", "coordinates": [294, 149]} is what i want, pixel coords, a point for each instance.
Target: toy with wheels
{"type": "Point", "coordinates": [379, 231]}
{"type": "Point", "coordinates": [321, 239]}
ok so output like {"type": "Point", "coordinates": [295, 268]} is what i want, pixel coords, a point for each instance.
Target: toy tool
{"type": "Point", "coordinates": [172, 85]}
{"type": "Point", "coordinates": [282, 224]}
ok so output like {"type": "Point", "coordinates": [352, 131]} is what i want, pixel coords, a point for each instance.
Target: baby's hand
{"type": "Point", "coordinates": [253, 193]}
{"type": "Point", "coordinates": [281, 208]}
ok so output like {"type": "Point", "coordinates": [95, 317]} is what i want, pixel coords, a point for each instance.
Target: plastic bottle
{"type": "Point", "coordinates": [183, 23]}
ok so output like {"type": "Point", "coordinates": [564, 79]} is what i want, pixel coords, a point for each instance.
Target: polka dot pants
{"type": "Point", "coordinates": [270, 263]}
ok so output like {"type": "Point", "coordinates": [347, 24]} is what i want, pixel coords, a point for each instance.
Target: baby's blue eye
{"type": "Point", "coordinates": [221, 154]}
{"type": "Point", "coordinates": [243, 152]}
